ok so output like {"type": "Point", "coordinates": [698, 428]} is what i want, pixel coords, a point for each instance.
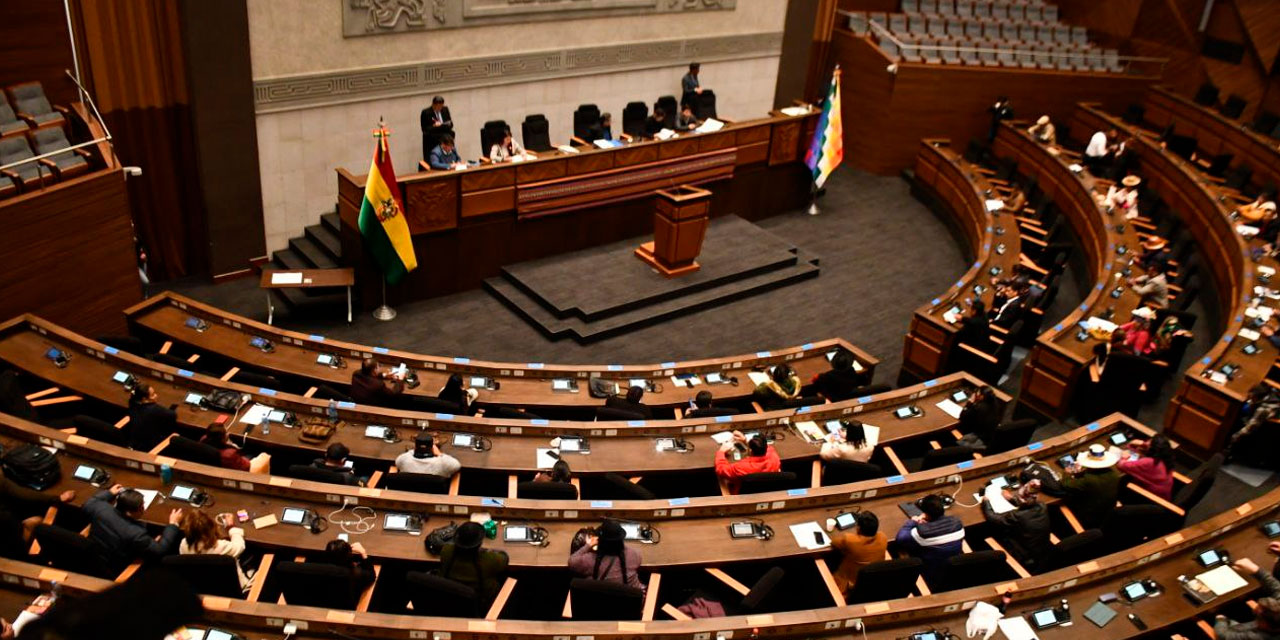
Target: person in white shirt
{"type": "Point", "coordinates": [1124, 198]}
{"type": "Point", "coordinates": [425, 457]}
{"type": "Point", "coordinates": [1044, 132]}
{"type": "Point", "coordinates": [507, 149]}
{"type": "Point", "coordinates": [849, 443]}
{"type": "Point", "coordinates": [1098, 152]}
{"type": "Point", "coordinates": [201, 534]}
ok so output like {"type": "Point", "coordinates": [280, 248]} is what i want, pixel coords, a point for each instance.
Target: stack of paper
{"type": "Point", "coordinates": [1247, 231]}
{"type": "Point", "coordinates": [811, 432]}
{"type": "Point", "coordinates": [757, 377]}
{"type": "Point", "coordinates": [995, 497]}
{"type": "Point", "coordinates": [995, 205]}
{"type": "Point", "coordinates": [255, 414]}
{"type": "Point", "coordinates": [544, 459]}
{"type": "Point", "coordinates": [1259, 311]}
{"type": "Point", "coordinates": [951, 408]}
{"type": "Point", "coordinates": [1222, 580]}
{"type": "Point", "coordinates": [1101, 324]}
{"type": "Point", "coordinates": [292, 277]}
{"type": "Point", "coordinates": [807, 535]}
{"type": "Point", "coordinates": [1017, 629]}
{"type": "Point", "coordinates": [722, 437]}
{"type": "Point", "coordinates": [567, 148]}
{"type": "Point", "coordinates": [794, 111]}
{"type": "Point", "coordinates": [148, 496]}
{"type": "Point", "coordinates": [709, 125]}
{"type": "Point", "coordinates": [665, 134]}
{"type": "Point", "coordinates": [1249, 334]}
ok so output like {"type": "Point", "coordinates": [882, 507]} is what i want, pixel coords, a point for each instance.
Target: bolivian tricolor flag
{"type": "Point", "coordinates": [827, 149]}
{"type": "Point", "coordinates": [382, 223]}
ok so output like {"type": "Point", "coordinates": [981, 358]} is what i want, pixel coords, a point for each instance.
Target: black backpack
{"type": "Point", "coordinates": [31, 466]}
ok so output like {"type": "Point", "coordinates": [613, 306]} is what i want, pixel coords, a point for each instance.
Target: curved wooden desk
{"type": "Point", "coordinates": [1215, 133]}
{"type": "Point", "coordinates": [958, 187]}
{"type": "Point", "coordinates": [623, 447]}
{"type": "Point", "coordinates": [1162, 559]}
{"type": "Point", "coordinates": [1059, 358]}
{"type": "Point", "coordinates": [526, 384]}
{"type": "Point", "coordinates": [1203, 411]}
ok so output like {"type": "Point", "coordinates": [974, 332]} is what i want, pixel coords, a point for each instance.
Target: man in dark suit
{"type": "Point", "coordinates": [703, 407]}
{"type": "Point", "coordinates": [1008, 307]}
{"type": "Point", "coordinates": [119, 536]}
{"type": "Point", "coordinates": [603, 130]}
{"type": "Point", "coordinates": [631, 403]}
{"type": "Point", "coordinates": [974, 326]}
{"type": "Point", "coordinates": [839, 382]}
{"type": "Point", "coordinates": [436, 122]}
{"type": "Point", "coordinates": [374, 385]}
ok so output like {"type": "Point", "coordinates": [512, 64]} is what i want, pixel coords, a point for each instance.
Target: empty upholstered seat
{"type": "Point", "coordinates": [898, 23]}
{"type": "Point", "coordinates": [911, 51]}
{"type": "Point", "coordinates": [1233, 107]}
{"type": "Point", "coordinates": [1050, 13]}
{"type": "Point", "coordinates": [30, 103]}
{"type": "Point", "coordinates": [928, 6]}
{"type": "Point", "coordinates": [1080, 35]}
{"type": "Point", "coordinates": [877, 17]}
{"type": "Point", "coordinates": [982, 9]}
{"type": "Point", "coordinates": [1007, 58]}
{"type": "Point", "coordinates": [969, 57]}
{"type": "Point", "coordinates": [9, 121]}
{"type": "Point", "coordinates": [1026, 60]}
{"type": "Point", "coordinates": [991, 30]}
{"type": "Point", "coordinates": [988, 56]}
{"type": "Point", "coordinates": [950, 55]}
{"type": "Point", "coordinates": [14, 148]}
{"type": "Point", "coordinates": [1062, 34]}
{"type": "Point", "coordinates": [910, 6]}
{"type": "Point", "coordinates": [937, 27]}
{"type": "Point", "coordinates": [964, 8]}
{"type": "Point", "coordinates": [1034, 13]}
{"type": "Point", "coordinates": [858, 23]}
{"type": "Point", "coordinates": [1009, 32]}
{"type": "Point", "coordinates": [1111, 58]}
{"type": "Point", "coordinates": [889, 47]}
{"type": "Point", "coordinates": [973, 29]}
{"type": "Point", "coordinates": [1027, 32]}
{"type": "Point", "coordinates": [633, 117]}
{"type": "Point", "coordinates": [51, 138]}
{"type": "Point", "coordinates": [536, 133]}
{"type": "Point", "coordinates": [1000, 11]}
{"type": "Point", "coordinates": [947, 7]}
{"type": "Point", "coordinates": [1044, 34]}
{"type": "Point", "coordinates": [605, 600]}
{"type": "Point", "coordinates": [955, 28]}
{"type": "Point", "coordinates": [917, 23]}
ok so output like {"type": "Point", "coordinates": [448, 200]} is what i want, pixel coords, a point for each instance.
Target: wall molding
{"type": "Point", "coordinates": [306, 91]}
{"type": "Point", "coordinates": [385, 17]}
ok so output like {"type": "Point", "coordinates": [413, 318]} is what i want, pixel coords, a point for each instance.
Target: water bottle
{"type": "Point", "coordinates": [266, 423]}
{"type": "Point", "coordinates": [333, 412]}
{"type": "Point", "coordinates": [166, 474]}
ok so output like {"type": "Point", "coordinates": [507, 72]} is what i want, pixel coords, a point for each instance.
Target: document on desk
{"type": "Point", "coordinates": [607, 144]}
{"type": "Point", "coordinates": [794, 111]}
{"type": "Point", "coordinates": [995, 497]}
{"type": "Point", "coordinates": [1016, 628]}
{"type": "Point", "coordinates": [805, 536]}
{"type": "Point", "coordinates": [255, 414]}
{"type": "Point", "coordinates": [757, 377]}
{"type": "Point", "coordinates": [951, 408]}
{"type": "Point", "coordinates": [1222, 580]}
{"type": "Point", "coordinates": [709, 125]}
{"type": "Point", "coordinates": [290, 277]}
{"type": "Point", "coordinates": [544, 459]}
{"type": "Point", "coordinates": [567, 148]}
{"type": "Point", "coordinates": [665, 134]}
{"type": "Point", "coordinates": [148, 496]}
{"type": "Point", "coordinates": [810, 431]}
{"type": "Point", "coordinates": [995, 204]}
{"type": "Point", "coordinates": [1249, 334]}
{"type": "Point", "coordinates": [722, 437]}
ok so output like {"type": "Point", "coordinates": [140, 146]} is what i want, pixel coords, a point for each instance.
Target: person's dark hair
{"type": "Point", "coordinates": [423, 445]}
{"type": "Point", "coordinates": [694, 66]}
{"type": "Point", "coordinates": [560, 472]}
{"type": "Point", "coordinates": [129, 502]}
{"type": "Point", "coordinates": [454, 383]}
{"type": "Point", "coordinates": [854, 433]}
{"type": "Point", "coordinates": [140, 393]}
{"type": "Point", "coordinates": [932, 507]}
{"type": "Point", "coordinates": [1161, 449]}
{"type": "Point", "coordinates": [843, 360]}
{"type": "Point", "coordinates": [659, 113]}
{"type": "Point", "coordinates": [1269, 613]}
{"type": "Point", "coordinates": [634, 394]}
{"type": "Point", "coordinates": [1118, 336]}
{"type": "Point", "coordinates": [337, 452]}
{"type": "Point", "coordinates": [215, 436]}
{"type": "Point", "coordinates": [1099, 350]}
{"type": "Point", "coordinates": [446, 139]}
{"type": "Point", "coordinates": [611, 541]}
{"type": "Point", "coordinates": [437, 100]}
{"type": "Point", "coordinates": [782, 373]}
{"type": "Point", "coordinates": [368, 366]}
{"type": "Point", "coordinates": [982, 392]}
{"type": "Point", "coordinates": [979, 307]}
{"type": "Point", "coordinates": [606, 117]}
{"type": "Point", "coordinates": [339, 553]}
{"type": "Point", "coordinates": [868, 523]}
{"type": "Point", "coordinates": [702, 400]}
{"type": "Point", "coordinates": [686, 107]}
{"type": "Point", "coordinates": [757, 445]}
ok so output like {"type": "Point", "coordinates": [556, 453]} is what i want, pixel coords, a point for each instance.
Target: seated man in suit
{"type": "Point", "coordinates": [839, 382]}
{"type": "Point", "coordinates": [761, 458]}
{"type": "Point", "coordinates": [686, 121]}
{"type": "Point", "coordinates": [656, 122]}
{"type": "Point", "coordinates": [335, 460]}
{"type": "Point", "coordinates": [979, 417]}
{"type": "Point", "coordinates": [117, 532]}
{"type": "Point", "coordinates": [373, 384]}
{"type": "Point", "coordinates": [1008, 306]}
{"type": "Point", "coordinates": [1025, 530]}
{"type": "Point", "coordinates": [435, 122]}
{"type": "Point", "coordinates": [444, 156]}
{"type": "Point", "coordinates": [933, 536]}
{"type": "Point", "coordinates": [974, 326]}
{"type": "Point", "coordinates": [703, 407]}
{"type": "Point", "coordinates": [603, 130]}
{"type": "Point", "coordinates": [631, 403]}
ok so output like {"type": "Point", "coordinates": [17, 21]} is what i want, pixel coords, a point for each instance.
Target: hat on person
{"type": "Point", "coordinates": [1154, 242]}
{"type": "Point", "coordinates": [1268, 205]}
{"type": "Point", "coordinates": [1145, 312]}
{"type": "Point", "coordinates": [1043, 120]}
{"type": "Point", "coordinates": [469, 535]}
{"type": "Point", "coordinates": [611, 530]}
{"type": "Point", "coordinates": [1131, 181]}
{"type": "Point", "coordinates": [1098, 457]}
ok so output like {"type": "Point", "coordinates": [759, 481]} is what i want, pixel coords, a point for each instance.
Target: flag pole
{"type": "Point", "coordinates": [813, 198]}
{"type": "Point", "coordinates": [383, 312]}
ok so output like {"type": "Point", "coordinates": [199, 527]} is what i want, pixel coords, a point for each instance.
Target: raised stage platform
{"type": "Point", "coordinates": [605, 291]}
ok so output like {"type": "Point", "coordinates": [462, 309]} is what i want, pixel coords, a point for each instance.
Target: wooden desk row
{"type": "Point", "coordinates": [694, 531]}
{"type": "Point", "coordinates": [1163, 560]}
{"type": "Point", "coordinates": [1202, 411]}
{"type": "Point", "coordinates": [1215, 133]}
{"type": "Point", "coordinates": [524, 384]}
{"type": "Point", "coordinates": [623, 447]}
{"type": "Point", "coordinates": [1058, 358]}
{"type": "Point", "coordinates": [964, 192]}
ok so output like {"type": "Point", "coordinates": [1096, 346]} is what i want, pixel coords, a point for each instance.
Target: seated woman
{"type": "Point", "coordinates": [605, 556]}
{"type": "Point", "coordinates": [850, 443]}
{"type": "Point", "coordinates": [1169, 329]}
{"type": "Point", "coordinates": [454, 391]}
{"type": "Point", "coordinates": [839, 382]}
{"type": "Point", "coordinates": [1124, 198]}
{"type": "Point", "coordinates": [783, 385]}
{"type": "Point", "coordinates": [202, 535]}
{"type": "Point", "coordinates": [1137, 332]}
{"type": "Point", "coordinates": [559, 472]}
{"type": "Point", "coordinates": [1150, 464]}
{"type": "Point", "coordinates": [465, 561]}
{"type": "Point", "coordinates": [506, 149]}
{"type": "Point", "coordinates": [230, 456]}
{"type": "Point", "coordinates": [1043, 131]}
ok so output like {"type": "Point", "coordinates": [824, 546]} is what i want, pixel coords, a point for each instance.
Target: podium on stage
{"type": "Point", "coordinates": [680, 219]}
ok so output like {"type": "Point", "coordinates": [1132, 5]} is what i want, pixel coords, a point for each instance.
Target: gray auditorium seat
{"type": "Point", "coordinates": [1080, 35]}
{"type": "Point", "coordinates": [991, 30]}
{"type": "Point", "coordinates": [50, 139]}
{"type": "Point", "coordinates": [1027, 33]}
{"type": "Point", "coordinates": [1034, 14]}
{"type": "Point", "coordinates": [898, 24]}
{"type": "Point", "coordinates": [1044, 34]}
{"type": "Point", "coordinates": [889, 47]}
{"type": "Point", "coordinates": [973, 29]}
{"type": "Point", "coordinates": [911, 51]}
{"type": "Point", "coordinates": [970, 57]}
{"type": "Point", "coordinates": [982, 9]}
{"type": "Point", "coordinates": [1111, 58]}
{"type": "Point", "coordinates": [950, 56]}
{"type": "Point", "coordinates": [1050, 13]}
{"type": "Point", "coordinates": [937, 27]}
{"type": "Point", "coordinates": [918, 24]}
{"type": "Point", "coordinates": [910, 6]}
{"type": "Point", "coordinates": [13, 149]}
{"type": "Point", "coordinates": [31, 104]}
{"type": "Point", "coordinates": [858, 23]}
{"type": "Point", "coordinates": [1026, 60]}
{"type": "Point", "coordinates": [1009, 32]}
{"type": "Point", "coordinates": [1007, 59]}
{"type": "Point", "coordinates": [1017, 12]}
{"type": "Point", "coordinates": [1044, 60]}
{"type": "Point", "coordinates": [928, 6]}
{"type": "Point", "coordinates": [947, 7]}
{"type": "Point", "coordinates": [878, 18]}
{"type": "Point", "coordinates": [929, 51]}
{"type": "Point", "coordinates": [988, 57]}
{"type": "Point", "coordinates": [955, 29]}
{"type": "Point", "coordinates": [9, 122]}
{"type": "Point", "coordinates": [964, 8]}
{"type": "Point", "coordinates": [1062, 34]}
{"type": "Point", "coordinates": [1000, 11]}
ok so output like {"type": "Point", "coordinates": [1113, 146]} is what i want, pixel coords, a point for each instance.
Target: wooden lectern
{"type": "Point", "coordinates": [680, 220]}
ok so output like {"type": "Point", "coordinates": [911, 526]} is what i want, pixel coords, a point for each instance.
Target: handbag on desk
{"type": "Point", "coordinates": [317, 431]}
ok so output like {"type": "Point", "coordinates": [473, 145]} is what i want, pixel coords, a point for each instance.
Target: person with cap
{"type": "Point", "coordinates": [454, 391]}
{"type": "Point", "coordinates": [117, 532]}
{"type": "Point", "coordinates": [1124, 198]}
{"type": "Point", "coordinates": [606, 556]}
{"type": "Point", "coordinates": [858, 547]}
{"type": "Point", "coordinates": [761, 458]}
{"type": "Point", "coordinates": [841, 380]}
{"type": "Point", "coordinates": [335, 461]}
{"type": "Point", "coordinates": [435, 122]}
{"type": "Point", "coordinates": [464, 560]}
{"type": "Point", "coordinates": [425, 457]}
{"type": "Point", "coordinates": [1044, 132]}
{"type": "Point", "coordinates": [1152, 287]}
{"type": "Point", "coordinates": [1025, 530]}
{"type": "Point", "coordinates": [1266, 611]}
{"type": "Point", "coordinates": [1091, 485]}
{"type": "Point", "coordinates": [1137, 331]}
{"type": "Point", "coordinates": [1155, 251]}
{"type": "Point", "coordinates": [849, 442]}
{"type": "Point", "coordinates": [1150, 464]}
{"type": "Point", "coordinates": [932, 535]}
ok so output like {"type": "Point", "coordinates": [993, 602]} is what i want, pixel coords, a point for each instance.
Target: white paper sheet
{"type": "Point", "coordinates": [567, 148]}
{"type": "Point", "coordinates": [757, 377]}
{"type": "Point", "coordinates": [811, 431]}
{"type": "Point", "coordinates": [857, 366]}
{"type": "Point", "coordinates": [709, 125]}
{"type": "Point", "coordinates": [803, 533]}
{"type": "Point", "coordinates": [1017, 629]}
{"type": "Point", "coordinates": [1249, 334]}
{"type": "Point", "coordinates": [665, 134]}
{"type": "Point", "coordinates": [1222, 580]}
{"type": "Point", "coordinates": [995, 205]}
{"type": "Point", "coordinates": [951, 408]}
{"type": "Point", "coordinates": [722, 437]}
{"type": "Point", "coordinates": [995, 496]}
{"type": "Point", "coordinates": [148, 496]}
{"type": "Point", "coordinates": [794, 111]}
{"type": "Point", "coordinates": [22, 620]}
{"type": "Point", "coordinates": [685, 382]}
{"type": "Point", "coordinates": [544, 460]}
{"type": "Point", "coordinates": [255, 414]}
{"type": "Point", "coordinates": [873, 434]}
{"type": "Point", "coordinates": [293, 277]}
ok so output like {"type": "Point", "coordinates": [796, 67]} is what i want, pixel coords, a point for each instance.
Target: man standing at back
{"type": "Point", "coordinates": [435, 122]}
{"type": "Point", "coordinates": [691, 87]}
{"type": "Point", "coordinates": [118, 533]}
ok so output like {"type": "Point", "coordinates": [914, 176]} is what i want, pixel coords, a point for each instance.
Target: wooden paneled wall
{"type": "Point", "coordinates": [34, 46]}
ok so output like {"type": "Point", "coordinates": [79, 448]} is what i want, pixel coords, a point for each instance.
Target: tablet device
{"type": "Point", "coordinates": [376, 431]}
{"type": "Point", "coordinates": [846, 521]}
{"type": "Point", "coordinates": [276, 416]}
{"type": "Point", "coordinates": [218, 634]}
{"type": "Point", "coordinates": [58, 356]}
{"type": "Point", "coordinates": [1119, 438]}
{"type": "Point", "coordinates": [182, 493]}
{"type": "Point", "coordinates": [517, 533]}
{"type": "Point", "coordinates": [1117, 292]}
{"type": "Point", "coordinates": [1000, 482]}
{"type": "Point", "coordinates": [960, 396]}
{"type": "Point", "coordinates": [715, 378]}
{"type": "Point", "coordinates": [666, 444]}
{"type": "Point", "coordinates": [744, 530]}
{"type": "Point", "coordinates": [401, 522]}
{"type": "Point", "coordinates": [1099, 614]}
{"type": "Point", "coordinates": [462, 440]}
{"type": "Point", "coordinates": [1212, 558]}
{"type": "Point", "coordinates": [1044, 618]}
{"type": "Point", "coordinates": [633, 530]}
{"type": "Point", "coordinates": [478, 382]}
{"type": "Point", "coordinates": [570, 443]}
{"type": "Point", "coordinates": [1229, 369]}
{"type": "Point", "coordinates": [86, 473]}
{"type": "Point", "coordinates": [907, 412]}
{"type": "Point", "coordinates": [196, 323]}
{"type": "Point", "coordinates": [325, 359]}
{"type": "Point", "coordinates": [259, 343]}
{"type": "Point", "coordinates": [926, 635]}
{"type": "Point", "coordinates": [1066, 461]}
{"type": "Point", "coordinates": [1271, 529]}
{"type": "Point", "coordinates": [194, 399]}
{"type": "Point", "coordinates": [560, 384]}
{"type": "Point", "coordinates": [910, 509]}
{"type": "Point", "coordinates": [1250, 348]}
{"type": "Point", "coordinates": [995, 271]}
{"type": "Point", "coordinates": [638, 382]}
{"type": "Point", "coordinates": [294, 515]}
{"type": "Point", "coordinates": [1134, 591]}
{"type": "Point", "coordinates": [122, 378]}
